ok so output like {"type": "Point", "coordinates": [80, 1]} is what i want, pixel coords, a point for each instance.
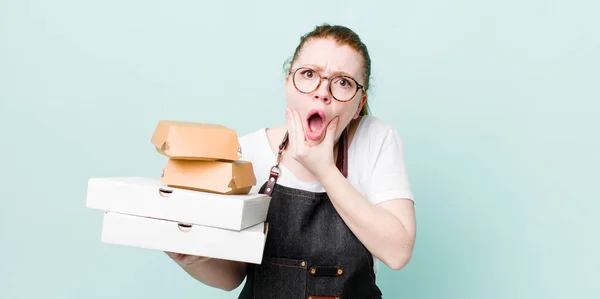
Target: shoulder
{"type": "Point", "coordinates": [252, 143]}
{"type": "Point", "coordinates": [252, 135]}
{"type": "Point", "coordinates": [255, 149]}
{"type": "Point", "coordinates": [374, 123]}
{"type": "Point", "coordinates": [373, 133]}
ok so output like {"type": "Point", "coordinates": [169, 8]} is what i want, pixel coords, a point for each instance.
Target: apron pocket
{"type": "Point", "coordinates": [278, 278]}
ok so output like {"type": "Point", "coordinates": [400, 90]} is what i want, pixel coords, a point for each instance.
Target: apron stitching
{"type": "Point", "coordinates": [305, 196]}
{"type": "Point", "coordinates": [305, 284]}
{"type": "Point", "coordinates": [281, 265]}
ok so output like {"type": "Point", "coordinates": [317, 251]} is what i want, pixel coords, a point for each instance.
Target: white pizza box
{"type": "Point", "coordinates": [170, 236]}
{"type": "Point", "coordinates": [149, 197]}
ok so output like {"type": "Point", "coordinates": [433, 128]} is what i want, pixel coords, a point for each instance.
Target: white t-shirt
{"type": "Point", "coordinates": [376, 165]}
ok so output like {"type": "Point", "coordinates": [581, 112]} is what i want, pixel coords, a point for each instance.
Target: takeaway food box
{"type": "Point", "coordinates": [200, 205]}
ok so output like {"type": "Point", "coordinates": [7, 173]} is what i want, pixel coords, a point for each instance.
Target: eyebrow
{"type": "Point", "coordinates": [320, 69]}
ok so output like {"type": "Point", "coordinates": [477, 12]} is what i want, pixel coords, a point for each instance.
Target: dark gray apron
{"type": "Point", "coordinates": [309, 251]}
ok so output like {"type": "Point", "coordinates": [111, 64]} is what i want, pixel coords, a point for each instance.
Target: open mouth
{"type": "Point", "coordinates": [315, 121]}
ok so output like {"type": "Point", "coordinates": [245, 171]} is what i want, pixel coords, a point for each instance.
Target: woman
{"type": "Point", "coordinates": [341, 199]}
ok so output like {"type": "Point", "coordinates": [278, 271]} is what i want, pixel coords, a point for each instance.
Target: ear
{"type": "Point", "coordinates": [363, 101]}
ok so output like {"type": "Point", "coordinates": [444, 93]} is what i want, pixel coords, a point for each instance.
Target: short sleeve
{"type": "Point", "coordinates": [389, 177]}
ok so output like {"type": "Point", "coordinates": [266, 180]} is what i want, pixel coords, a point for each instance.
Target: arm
{"type": "Point", "coordinates": [387, 229]}
{"type": "Point", "coordinates": [223, 274]}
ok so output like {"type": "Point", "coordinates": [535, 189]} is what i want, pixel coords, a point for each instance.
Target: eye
{"type": "Point", "coordinates": [343, 82]}
{"type": "Point", "coordinates": [308, 74]}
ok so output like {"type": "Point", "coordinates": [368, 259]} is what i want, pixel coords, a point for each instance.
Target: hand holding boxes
{"type": "Point", "coordinates": [201, 205]}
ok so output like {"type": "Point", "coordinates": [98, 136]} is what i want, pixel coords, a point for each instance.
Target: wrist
{"type": "Point", "coordinates": [326, 172]}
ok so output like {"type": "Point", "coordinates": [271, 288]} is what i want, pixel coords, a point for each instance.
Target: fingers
{"type": "Point", "coordinates": [331, 128]}
{"type": "Point", "coordinates": [186, 259]}
{"type": "Point", "coordinates": [291, 126]}
{"type": "Point", "coordinates": [300, 137]}
{"type": "Point", "coordinates": [173, 255]}
{"type": "Point", "coordinates": [192, 259]}
{"type": "Point", "coordinates": [296, 132]}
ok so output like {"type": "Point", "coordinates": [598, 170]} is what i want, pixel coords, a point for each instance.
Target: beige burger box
{"type": "Point", "coordinates": [220, 177]}
{"type": "Point", "coordinates": [151, 198]}
{"type": "Point", "coordinates": [184, 140]}
{"type": "Point", "coordinates": [170, 236]}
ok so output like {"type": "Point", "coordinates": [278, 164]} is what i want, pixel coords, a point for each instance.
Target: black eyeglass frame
{"type": "Point", "coordinates": [358, 85]}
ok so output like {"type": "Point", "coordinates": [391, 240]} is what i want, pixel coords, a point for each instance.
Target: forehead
{"type": "Point", "coordinates": [330, 57]}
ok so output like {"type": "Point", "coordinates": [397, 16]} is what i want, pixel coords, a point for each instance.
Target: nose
{"type": "Point", "coordinates": [322, 92]}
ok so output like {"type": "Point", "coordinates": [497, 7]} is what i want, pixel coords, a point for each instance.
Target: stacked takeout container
{"type": "Point", "coordinates": [201, 205]}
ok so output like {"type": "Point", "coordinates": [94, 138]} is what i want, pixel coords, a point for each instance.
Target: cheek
{"type": "Point", "coordinates": [346, 114]}
{"type": "Point", "coordinates": [290, 96]}
{"type": "Point", "coordinates": [347, 110]}
{"type": "Point", "coordinates": [294, 99]}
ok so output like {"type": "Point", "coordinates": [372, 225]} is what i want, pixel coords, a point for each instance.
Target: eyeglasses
{"type": "Point", "coordinates": [342, 88]}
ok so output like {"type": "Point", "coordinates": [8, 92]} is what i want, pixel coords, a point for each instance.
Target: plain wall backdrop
{"type": "Point", "coordinates": [496, 102]}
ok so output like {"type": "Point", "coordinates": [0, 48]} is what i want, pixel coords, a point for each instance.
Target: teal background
{"type": "Point", "coordinates": [496, 102]}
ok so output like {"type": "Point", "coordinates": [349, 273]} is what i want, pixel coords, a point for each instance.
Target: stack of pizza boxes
{"type": "Point", "coordinates": [201, 204]}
